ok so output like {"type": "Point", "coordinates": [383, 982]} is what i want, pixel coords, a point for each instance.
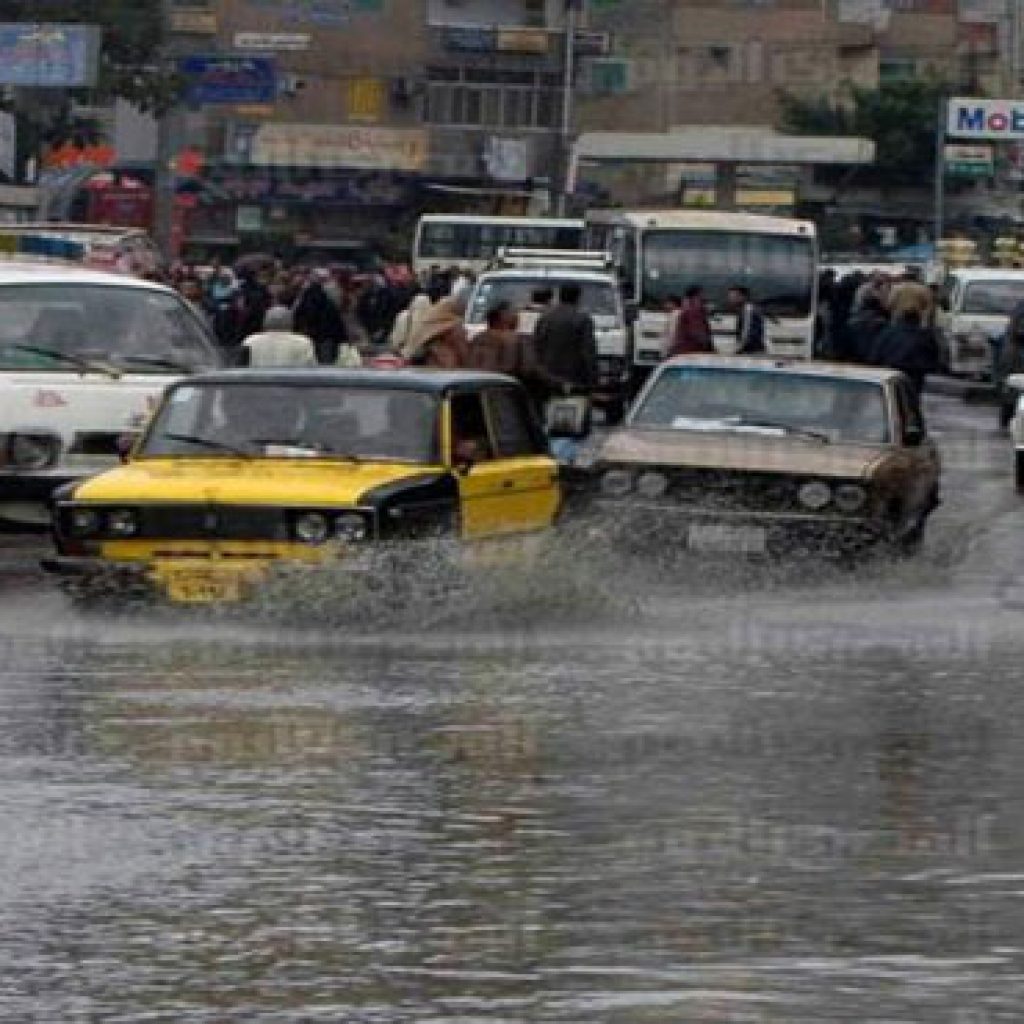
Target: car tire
{"type": "Point", "coordinates": [1018, 470]}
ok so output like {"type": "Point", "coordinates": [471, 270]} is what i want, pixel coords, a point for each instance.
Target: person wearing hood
{"type": "Point", "coordinates": [407, 321]}
{"type": "Point", "coordinates": [223, 300]}
{"type": "Point", "coordinates": [317, 316]}
{"type": "Point", "coordinates": [908, 346]}
{"type": "Point", "coordinates": [439, 340]}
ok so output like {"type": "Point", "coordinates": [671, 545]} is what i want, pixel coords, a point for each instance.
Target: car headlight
{"type": "Point", "coordinates": [122, 522]}
{"type": "Point", "coordinates": [850, 497]}
{"type": "Point", "coordinates": [652, 485]}
{"type": "Point", "coordinates": [351, 527]}
{"type": "Point", "coordinates": [616, 483]}
{"type": "Point", "coordinates": [32, 451]}
{"type": "Point", "coordinates": [815, 495]}
{"type": "Point", "coordinates": [84, 521]}
{"type": "Point", "coordinates": [312, 528]}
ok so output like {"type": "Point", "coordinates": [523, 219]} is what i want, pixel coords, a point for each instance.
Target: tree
{"type": "Point", "coordinates": [130, 66]}
{"type": "Point", "coordinates": [900, 117]}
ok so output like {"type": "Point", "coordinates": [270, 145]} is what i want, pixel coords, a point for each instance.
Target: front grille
{"type": "Point", "coordinates": [208, 522]}
{"type": "Point", "coordinates": [95, 442]}
{"type": "Point", "coordinates": [733, 490]}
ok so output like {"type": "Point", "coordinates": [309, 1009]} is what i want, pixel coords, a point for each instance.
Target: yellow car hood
{"type": "Point", "coordinates": [312, 482]}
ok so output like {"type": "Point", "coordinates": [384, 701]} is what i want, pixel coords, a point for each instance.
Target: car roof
{"type": "Point", "coordinates": [988, 273]}
{"type": "Point", "coordinates": [43, 272]}
{"type": "Point", "coordinates": [800, 367]}
{"type": "Point", "coordinates": [434, 381]}
{"type": "Point", "coordinates": [564, 273]}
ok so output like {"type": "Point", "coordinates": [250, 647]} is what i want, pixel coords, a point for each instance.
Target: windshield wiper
{"type": "Point", "coordinates": [65, 357]}
{"type": "Point", "coordinates": [169, 364]}
{"type": "Point", "coordinates": [787, 428]}
{"type": "Point", "coordinates": [208, 442]}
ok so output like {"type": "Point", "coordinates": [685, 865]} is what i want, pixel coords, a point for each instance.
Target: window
{"type": "Point", "coordinates": [512, 426]}
{"type": "Point", "coordinates": [486, 98]}
{"type": "Point", "coordinates": [470, 438]}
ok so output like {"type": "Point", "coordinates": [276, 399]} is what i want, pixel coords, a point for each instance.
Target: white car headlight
{"type": "Point", "coordinates": [652, 485]}
{"type": "Point", "coordinates": [815, 495]}
{"type": "Point", "coordinates": [312, 528]}
{"type": "Point", "coordinates": [850, 497]}
{"type": "Point", "coordinates": [84, 521]}
{"type": "Point", "coordinates": [616, 483]}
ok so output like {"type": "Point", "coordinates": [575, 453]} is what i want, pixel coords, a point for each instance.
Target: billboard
{"type": "Point", "coordinates": [48, 55]}
{"type": "Point", "coordinates": [328, 145]}
{"type": "Point", "coordinates": [968, 118]}
{"type": "Point", "coordinates": [228, 80]}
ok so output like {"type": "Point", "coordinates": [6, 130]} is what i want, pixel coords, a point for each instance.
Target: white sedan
{"type": "Point", "coordinates": [1016, 383]}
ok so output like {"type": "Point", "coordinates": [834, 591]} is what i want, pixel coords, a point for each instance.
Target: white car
{"type": "Point", "coordinates": [600, 297]}
{"type": "Point", "coordinates": [976, 310]}
{"type": "Point", "coordinates": [84, 357]}
{"type": "Point", "coordinates": [1016, 383]}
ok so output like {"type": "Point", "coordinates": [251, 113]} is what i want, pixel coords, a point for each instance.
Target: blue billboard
{"type": "Point", "coordinates": [229, 80]}
{"type": "Point", "coordinates": [48, 55]}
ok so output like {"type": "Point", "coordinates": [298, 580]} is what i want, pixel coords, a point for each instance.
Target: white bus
{"type": "Point", "coordinates": [660, 253]}
{"type": "Point", "coordinates": [472, 242]}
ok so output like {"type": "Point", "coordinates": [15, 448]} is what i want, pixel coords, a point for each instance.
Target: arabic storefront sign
{"type": "Point", "coordinates": [325, 145]}
{"type": "Point", "coordinates": [985, 119]}
{"type": "Point", "coordinates": [325, 13]}
{"type": "Point", "coordinates": [969, 161]}
{"type": "Point", "coordinates": [273, 41]}
{"type": "Point", "coordinates": [50, 56]}
{"type": "Point", "coordinates": [230, 80]}
{"type": "Point", "coordinates": [522, 40]}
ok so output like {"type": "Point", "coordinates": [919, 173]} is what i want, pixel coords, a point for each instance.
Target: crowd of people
{"type": "Point", "coordinates": [273, 315]}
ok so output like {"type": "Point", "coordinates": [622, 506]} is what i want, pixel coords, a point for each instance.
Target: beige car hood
{"type": "Point", "coordinates": [743, 452]}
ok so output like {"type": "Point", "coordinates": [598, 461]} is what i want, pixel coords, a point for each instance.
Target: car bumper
{"type": "Point", "coordinates": [25, 496]}
{"type": "Point", "coordinates": [663, 527]}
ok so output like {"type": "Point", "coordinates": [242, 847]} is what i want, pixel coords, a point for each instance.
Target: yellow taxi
{"type": "Point", "coordinates": [242, 470]}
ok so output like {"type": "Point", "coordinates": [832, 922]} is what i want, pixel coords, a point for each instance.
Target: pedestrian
{"type": "Point", "coordinates": [318, 317]}
{"type": "Point", "coordinates": [255, 300]}
{"type": "Point", "coordinates": [501, 348]}
{"type": "Point", "coordinates": [750, 330]}
{"type": "Point", "coordinates": [407, 321]}
{"type": "Point", "coordinates": [565, 344]}
{"type": "Point", "coordinates": [223, 304]}
{"type": "Point", "coordinates": [857, 342]}
{"type": "Point", "coordinates": [909, 346]}
{"type": "Point", "coordinates": [876, 283]}
{"type": "Point", "coordinates": [278, 344]}
{"type": "Point", "coordinates": [439, 341]}
{"type": "Point", "coordinates": [1008, 359]}
{"type": "Point", "coordinates": [693, 326]}
{"type": "Point", "coordinates": [911, 293]}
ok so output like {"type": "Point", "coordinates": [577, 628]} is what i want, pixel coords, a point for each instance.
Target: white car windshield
{"type": "Point", "coordinates": [713, 399]}
{"type": "Point", "coordinates": [55, 326]}
{"type": "Point", "coordinates": [295, 420]}
{"type": "Point", "coordinates": [992, 298]}
{"type": "Point", "coordinates": [598, 298]}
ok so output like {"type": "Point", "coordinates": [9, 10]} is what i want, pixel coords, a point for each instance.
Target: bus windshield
{"type": "Point", "coordinates": [456, 242]}
{"type": "Point", "coordinates": [779, 270]}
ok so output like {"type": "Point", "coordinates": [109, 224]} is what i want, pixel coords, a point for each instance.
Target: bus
{"type": "Point", "coordinates": [472, 242]}
{"type": "Point", "coordinates": [660, 253]}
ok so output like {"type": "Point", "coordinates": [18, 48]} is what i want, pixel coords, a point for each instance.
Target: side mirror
{"type": "Point", "coordinates": [125, 443]}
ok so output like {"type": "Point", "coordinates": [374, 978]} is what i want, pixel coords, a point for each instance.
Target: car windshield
{"type": "Point", "coordinates": [599, 298]}
{"type": "Point", "coordinates": [296, 420]}
{"type": "Point", "coordinates": [50, 326]}
{"type": "Point", "coordinates": [779, 270]}
{"type": "Point", "coordinates": [992, 298]}
{"type": "Point", "coordinates": [766, 402]}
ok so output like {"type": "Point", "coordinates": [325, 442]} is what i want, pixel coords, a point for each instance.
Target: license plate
{"type": "Point", "coordinates": [203, 588]}
{"type": "Point", "coordinates": [718, 537]}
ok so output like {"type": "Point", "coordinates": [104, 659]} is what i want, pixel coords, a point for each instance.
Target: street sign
{"type": "Point", "coordinates": [49, 55]}
{"type": "Point", "coordinates": [229, 80]}
{"type": "Point", "coordinates": [969, 161]}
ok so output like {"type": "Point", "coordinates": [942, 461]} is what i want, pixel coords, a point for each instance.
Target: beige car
{"type": "Point", "coordinates": [761, 456]}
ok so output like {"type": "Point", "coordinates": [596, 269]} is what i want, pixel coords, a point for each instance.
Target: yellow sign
{"type": "Point", "coordinates": [194, 21]}
{"type": "Point", "coordinates": [522, 40]}
{"type": "Point", "coordinates": [365, 99]}
{"type": "Point", "coordinates": [329, 145]}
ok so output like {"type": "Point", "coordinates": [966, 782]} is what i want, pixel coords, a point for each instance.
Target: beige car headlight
{"type": "Point", "coordinates": [850, 497]}
{"type": "Point", "coordinates": [815, 495]}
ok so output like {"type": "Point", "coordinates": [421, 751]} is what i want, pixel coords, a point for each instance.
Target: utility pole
{"type": "Point", "coordinates": [940, 171]}
{"type": "Point", "coordinates": [565, 135]}
{"type": "Point", "coordinates": [165, 180]}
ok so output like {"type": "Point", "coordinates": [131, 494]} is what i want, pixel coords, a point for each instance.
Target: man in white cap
{"type": "Point", "coordinates": [278, 345]}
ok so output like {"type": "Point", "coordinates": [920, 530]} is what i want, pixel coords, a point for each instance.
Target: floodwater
{"type": "Point", "coordinates": [718, 797]}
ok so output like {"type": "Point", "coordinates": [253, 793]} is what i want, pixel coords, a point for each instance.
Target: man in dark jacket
{"type": "Point", "coordinates": [908, 346]}
{"type": "Point", "coordinates": [564, 342]}
{"type": "Point", "coordinates": [320, 320]}
{"type": "Point", "coordinates": [749, 322]}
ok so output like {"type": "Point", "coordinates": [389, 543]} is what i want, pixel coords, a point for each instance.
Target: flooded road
{"type": "Point", "coordinates": [763, 799]}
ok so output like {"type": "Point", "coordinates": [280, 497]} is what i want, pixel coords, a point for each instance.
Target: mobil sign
{"type": "Point", "coordinates": [985, 119]}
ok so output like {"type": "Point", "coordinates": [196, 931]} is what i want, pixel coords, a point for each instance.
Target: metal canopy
{"type": "Point", "coordinates": [715, 145]}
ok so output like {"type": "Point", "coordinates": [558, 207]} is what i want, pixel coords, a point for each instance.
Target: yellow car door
{"type": "Point", "coordinates": [508, 483]}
